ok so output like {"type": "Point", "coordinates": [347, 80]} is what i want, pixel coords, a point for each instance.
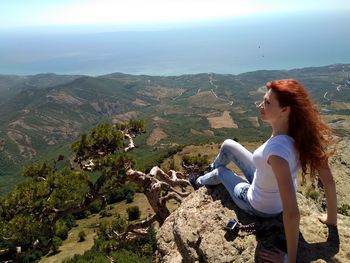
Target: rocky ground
{"type": "Point", "coordinates": [194, 232]}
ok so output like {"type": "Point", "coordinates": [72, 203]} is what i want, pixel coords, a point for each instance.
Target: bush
{"type": "Point", "coordinates": [95, 206]}
{"type": "Point", "coordinates": [172, 164]}
{"type": "Point", "coordinates": [104, 213]}
{"type": "Point", "coordinates": [201, 161]}
{"type": "Point", "coordinates": [90, 256]}
{"type": "Point", "coordinates": [126, 256]}
{"type": "Point", "coordinates": [61, 229]}
{"type": "Point", "coordinates": [344, 209]}
{"type": "Point", "coordinates": [133, 213]}
{"type": "Point", "coordinates": [82, 236]}
{"type": "Point", "coordinates": [129, 198]}
{"type": "Point", "coordinates": [115, 195]}
{"type": "Point", "coordinates": [313, 193]}
{"type": "Point", "coordinates": [152, 238]}
{"type": "Point", "coordinates": [129, 188]}
{"type": "Point", "coordinates": [70, 221]}
{"type": "Point", "coordinates": [28, 256]}
{"type": "Point", "coordinates": [56, 242]}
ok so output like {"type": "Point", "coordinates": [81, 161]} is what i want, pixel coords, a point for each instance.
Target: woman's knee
{"type": "Point", "coordinates": [231, 145]}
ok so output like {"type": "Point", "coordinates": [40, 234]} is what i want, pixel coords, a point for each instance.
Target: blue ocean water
{"type": "Point", "coordinates": [223, 46]}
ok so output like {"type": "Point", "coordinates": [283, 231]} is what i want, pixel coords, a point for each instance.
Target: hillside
{"type": "Point", "coordinates": [10, 85]}
{"type": "Point", "coordinates": [42, 115]}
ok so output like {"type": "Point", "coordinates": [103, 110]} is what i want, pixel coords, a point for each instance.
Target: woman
{"type": "Point", "coordinates": [299, 139]}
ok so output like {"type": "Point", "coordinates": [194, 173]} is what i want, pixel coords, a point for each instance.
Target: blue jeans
{"type": "Point", "coordinates": [237, 187]}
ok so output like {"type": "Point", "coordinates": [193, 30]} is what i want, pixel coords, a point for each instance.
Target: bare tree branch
{"type": "Point", "coordinates": [153, 189]}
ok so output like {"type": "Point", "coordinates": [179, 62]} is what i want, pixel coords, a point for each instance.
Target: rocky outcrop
{"type": "Point", "coordinates": [340, 164]}
{"type": "Point", "coordinates": [194, 232]}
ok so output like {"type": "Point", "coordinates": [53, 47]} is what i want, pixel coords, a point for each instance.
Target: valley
{"type": "Point", "coordinates": [40, 121]}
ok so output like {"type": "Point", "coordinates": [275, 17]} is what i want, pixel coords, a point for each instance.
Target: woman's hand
{"type": "Point", "coordinates": [324, 220]}
{"type": "Point", "coordinates": [273, 256]}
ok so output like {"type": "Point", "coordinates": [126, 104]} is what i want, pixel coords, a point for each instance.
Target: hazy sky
{"type": "Point", "coordinates": [23, 13]}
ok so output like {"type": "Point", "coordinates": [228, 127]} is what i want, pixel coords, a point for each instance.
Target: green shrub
{"type": "Point", "coordinates": [312, 193]}
{"type": "Point", "coordinates": [90, 256]}
{"type": "Point", "coordinates": [81, 236]}
{"type": "Point", "coordinates": [126, 256]}
{"type": "Point", "coordinates": [201, 161]}
{"type": "Point", "coordinates": [129, 188]}
{"type": "Point", "coordinates": [344, 209]}
{"type": "Point", "coordinates": [70, 221]}
{"type": "Point", "coordinates": [95, 206]}
{"type": "Point", "coordinates": [61, 229]}
{"type": "Point", "coordinates": [133, 213]}
{"type": "Point", "coordinates": [28, 256]}
{"type": "Point", "coordinates": [172, 164]}
{"type": "Point", "coordinates": [104, 213]}
{"type": "Point", "coordinates": [56, 242]}
{"type": "Point", "coordinates": [129, 198]}
{"type": "Point", "coordinates": [115, 195]}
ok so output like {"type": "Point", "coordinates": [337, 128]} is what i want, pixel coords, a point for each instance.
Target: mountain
{"type": "Point", "coordinates": [10, 85]}
{"type": "Point", "coordinates": [42, 114]}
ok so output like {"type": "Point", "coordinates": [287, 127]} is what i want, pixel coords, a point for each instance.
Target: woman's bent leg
{"type": "Point", "coordinates": [211, 178]}
{"type": "Point", "coordinates": [232, 151]}
{"type": "Point", "coordinates": [235, 185]}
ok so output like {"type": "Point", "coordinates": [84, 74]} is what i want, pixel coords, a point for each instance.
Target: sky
{"type": "Point", "coordinates": [34, 13]}
{"type": "Point", "coordinates": [167, 37]}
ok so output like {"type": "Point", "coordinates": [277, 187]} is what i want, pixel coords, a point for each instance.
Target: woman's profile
{"type": "Point", "coordinates": [299, 139]}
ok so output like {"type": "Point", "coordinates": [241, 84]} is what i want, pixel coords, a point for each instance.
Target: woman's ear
{"type": "Point", "coordinates": [286, 109]}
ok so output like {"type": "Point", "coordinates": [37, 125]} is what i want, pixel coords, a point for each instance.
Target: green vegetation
{"type": "Point", "coordinates": [82, 236]}
{"type": "Point", "coordinates": [199, 161]}
{"type": "Point", "coordinates": [313, 193]}
{"type": "Point", "coordinates": [133, 213]}
{"type": "Point", "coordinates": [344, 209]}
{"type": "Point", "coordinates": [38, 214]}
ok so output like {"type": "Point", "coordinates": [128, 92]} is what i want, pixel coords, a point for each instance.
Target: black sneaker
{"type": "Point", "coordinates": [192, 178]}
{"type": "Point", "coordinates": [209, 168]}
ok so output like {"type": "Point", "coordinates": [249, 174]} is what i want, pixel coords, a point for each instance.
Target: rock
{"type": "Point", "coordinates": [340, 165]}
{"type": "Point", "coordinates": [194, 232]}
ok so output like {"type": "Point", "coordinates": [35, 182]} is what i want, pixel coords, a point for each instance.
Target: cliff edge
{"type": "Point", "coordinates": [194, 232]}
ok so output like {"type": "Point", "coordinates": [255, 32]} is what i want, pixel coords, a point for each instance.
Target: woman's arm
{"type": "Point", "coordinates": [291, 215]}
{"type": "Point", "coordinates": [327, 180]}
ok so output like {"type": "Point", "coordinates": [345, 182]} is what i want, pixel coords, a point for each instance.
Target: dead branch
{"type": "Point", "coordinates": [154, 188]}
{"type": "Point", "coordinates": [170, 196]}
{"type": "Point", "coordinates": [169, 178]}
{"type": "Point", "coordinates": [131, 144]}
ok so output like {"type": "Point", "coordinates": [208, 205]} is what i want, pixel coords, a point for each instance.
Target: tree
{"type": "Point", "coordinates": [37, 213]}
{"type": "Point", "coordinates": [102, 140]}
{"type": "Point", "coordinates": [34, 214]}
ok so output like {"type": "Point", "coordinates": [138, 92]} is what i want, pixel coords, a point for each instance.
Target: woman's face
{"type": "Point", "coordinates": [269, 108]}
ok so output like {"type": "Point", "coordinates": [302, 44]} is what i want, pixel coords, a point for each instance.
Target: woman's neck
{"type": "Point", "coordinates": [280, 128]}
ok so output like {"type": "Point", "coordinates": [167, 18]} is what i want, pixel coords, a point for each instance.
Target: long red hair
{"type": "Point", "coordinates": [311, 135]}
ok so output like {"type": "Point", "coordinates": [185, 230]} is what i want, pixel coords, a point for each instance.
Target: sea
{"type": "Point", "coordinates": [226, 46]}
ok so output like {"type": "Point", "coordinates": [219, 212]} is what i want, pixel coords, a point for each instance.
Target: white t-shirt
{"type": "Point", "coordinates": [263, 193]}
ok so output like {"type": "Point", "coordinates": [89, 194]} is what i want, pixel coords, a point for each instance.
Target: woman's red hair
{"type": "Point", "coordinates": [311, 135]}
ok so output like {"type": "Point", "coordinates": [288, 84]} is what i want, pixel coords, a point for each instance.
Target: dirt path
{"type": "Point", "coordinates": [211, 81]}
